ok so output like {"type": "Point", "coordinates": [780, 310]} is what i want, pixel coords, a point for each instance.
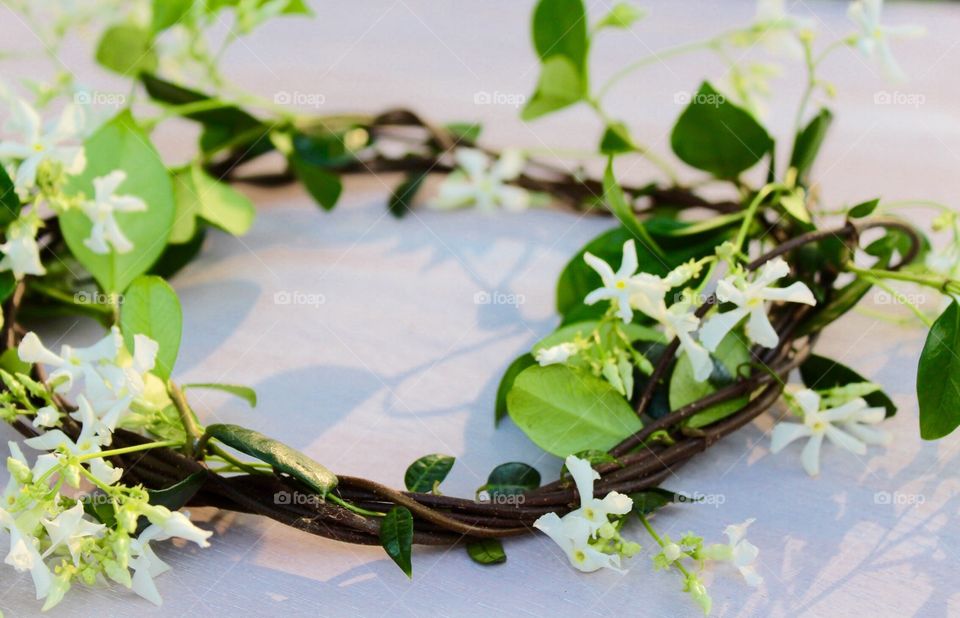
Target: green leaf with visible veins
{"type": "Point", "coordinates": [396, 537]}
{"type": "Point", "coordinates": [938, 376]}
{"type": "Point", "coordinates": [428, 471]}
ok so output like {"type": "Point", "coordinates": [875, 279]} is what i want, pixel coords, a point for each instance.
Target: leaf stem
{"type": "Point", "coordinates": [187, 417]}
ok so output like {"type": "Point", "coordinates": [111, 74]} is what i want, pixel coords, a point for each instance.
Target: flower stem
{"type": "Point", "coordinates": [130, 449]}
{"type": "Point", "coordinates": [659, 540]}
{"type": "Point", "coordinates": [354, 508]}
{"type": "Point", "coordinates": [186, 417]}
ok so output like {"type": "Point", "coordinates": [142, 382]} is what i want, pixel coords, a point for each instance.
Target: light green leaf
{"type": "Point", "coordinates": [127, 49]}
{"type": "Point", "coordinates": [121, 145]}
{"type": "Point", "coordinates": [564, 411]}
{"type": "Point", "coordinates": [282, 457]}
{"type": "Point", "coordinates": [622, 15]}
{"type": "Point", "coordinates": [560, 29]}
{"type": "Point", "coordinates": [396, 537]}
{"type": "Point", "coordinates": [243, 392]}
{"type": "Point", "coordinates": [150, 307]}
{"type": "Point", "coordinates": [560, 85]}
{"type": "Point", "coordinates": [613, 195]}
{"type": "Point", "coordinates": [938, 376]}
{"type": "Point", "coordinates": [684, 389]}
{"type": "Point", "coordinates": [425, 473]}
{"type": "Point", "coordinates": [569, 332]}
{"type": "Point", "coordinates": [167, 13]}
{"type": "Point", "coordinates": [487, 552]}
{"type": "Point", "coordinates": [714, 135]}
{"type": "Point", "coordinates": [221, 204]}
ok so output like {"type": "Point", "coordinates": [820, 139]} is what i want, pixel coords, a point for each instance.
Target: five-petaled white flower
{"type": "Point", "coordinates": [572, 534]}
{"type": "Point", "coordinates": [750, 298]}
{"type": "Point", "coordinates": [24, 554]}
{"type": "Point", "coordinates": [739, 552]}
{"type": "Point", "coordinates": [559, 353]}
{"type": "Point", "coordinates": [873, 38]}
{"type": "Point", "coordinates": [855, 417]}
{"type": "Point", "coordinates": [594, 511]}
{"type": "Point", "coordinates": [101, 211]}
{"type": "Point", "coordinates": [21, 254]}
{"type": "Point", "coordinates": [68, 529]}
{"type": "Point", "coordinates": [479, 183]}
{"type": "Point", "coordinates": [39, 145]}
{"type": "Point", "coordinates": [616, 285]}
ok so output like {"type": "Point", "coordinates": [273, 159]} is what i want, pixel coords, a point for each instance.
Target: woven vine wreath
{"type": "Point", "coordinates": [679, 325]}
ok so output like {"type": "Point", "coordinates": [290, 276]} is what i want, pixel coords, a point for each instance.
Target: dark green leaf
{"type": "Point", "coordinates": [322, 185]}
{"type": "Point", "coordinates": [616, 140]}
{"type": "Point", "coordinates": [565, 411]}
{"type": "Point", "coordinates": [428, 471]}
{"type": "Point", "coordinates": [176, 496]}
{"type": "Point", "coordinates": [560, 29]}
{"type": "Point", "coordinates": [9, 200]}
{"type": "Point", "coordinates": [175, 257]}
{"type": "Point", "coordinates": [465, 133]}
{"type": "Point", "coordinates": [396, 537]}
{"type": "Point", "coordinates": [127, 49]}
{"type": "Point", "coordinates": [808, 142]}
{"type": "Point", "coordinates": [650, 500]}
{"type": "Point", "coordinates": [487, 551]}
{"type": "Point", "coordinates": [8, 283]}
{"type": "Point", "coordinates": [404, 195]}
{"type": "Point", "coordinates": [511, 479]}
{"type": "Point", "coordinates": [863, 209]}
{"type": "Point", "coordinates": [506, 383]}
{"type": "Point", "coordinates": [151, 308]}
{"type": "Point", "coordinates": [819, 372]}
{"type": "Point", "coordinates": [938, 376]}
{"type": "Point", "coordinates": [714, 135]}
{"type": "Point", "coordinates": [279, 455]}
{"type": "Point", "coordinates": [243, 392]}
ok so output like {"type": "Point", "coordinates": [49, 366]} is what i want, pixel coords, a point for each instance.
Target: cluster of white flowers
{"type": "Point", "coordinates": [850, 425]}
{"type": "Point", "coordinates": [39, 160]}
{"type": "Point", "coordinates": [484, 184]}
{"type": "Point", "coordinates": [873, 38]}
{"type": "Point", "coordinates": [63, 536]}
{"type": "Point", "coordinates": [628, 291]}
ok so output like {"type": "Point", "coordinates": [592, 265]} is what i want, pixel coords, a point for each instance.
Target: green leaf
{"type": "Point", "coordinates": [714, 135]}
{"type": "Point", "coordinates": [222, 205]}
{"type": "Point", "coordinates": [820, 372]}
{"type": "Point", "coordinates": [243, 392]}
{"type": "Point", "coordinates": [564, 411]}
{"type": "Point", "coordinates": [808, 142]}
{"type": "Point", "coordinates": [465, 132]}
{"type": "Point", "coordinates": [487, 552]}
{"type": "Point", "coordinates": [7, 285]}
{"type": "Point", "coordinates": [511, 479]}
{"type": "Point", "coordinates": [150, 307]}
{"type": "Point", "coordinates": [622, 15]}
{"type": "Point", "coordinates": [616, 139]}
{"type": "Point", "coordinates": [613, 195]}
{"type": "Point", "coordinates": [282, 457]}
{"type": "Point", "coordinates": [11, 363]}
{"type": "Point", "coordinates": [560, 29]}
{"type": "Point", "coordinates": [9, 200]}
{"type": "Point", "coordinates": [796, 207]}
{"type": "Point", "coordinates": [167, 13]}
{"type": "Point", "coordinates": [175, 257]}
{"type": "Point", "coordinates": [404, 195]}
{"type": "Point", "coordinates": [127, 49]}
{"type": "Point", "coordinates": [176, 496]}
{"type": "Point", "coordinates": [653, 499]}
{"type": "Point", "coordinates": [560, 85]}
{"type": "Point", "coordinates": [938, 376]}
{"type": "Point", "coordinates": [396, 537]}
{"type": "Point", "coordinates": [322, 185]}
{"type": "Point", "coordinates": [506, 383]}
{"type": "Point", "coordinates": [428, 471]}
{"type": "Point", "coordinates": [121, 145]}
{"type": "Point", "coordinates": [187, 205]}
{"type": "Point", "coordinates": [569, 332]}
{"type": "Point", "coordinates": [684, 389]}
{"type": "Point", "coordinates": [863, 209]}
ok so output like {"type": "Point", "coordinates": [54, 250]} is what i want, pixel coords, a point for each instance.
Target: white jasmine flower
{"type": "Point", "coordinates": [38, 145]}
{"type": "Point", "coordinates": [616, 285]}
{"type": "Point", "coordinates": [483, 185]}
{"type": "Point", "coordinates": [47, 416]}
{"type": "Point", "coordinates": [740, 552]}
{"type": "Point", "coordinates": [750, 299]}
{"type": "Point", "coordinates": [101, 211]}
{"type": "Point", "coordinates": [680, 321]}
{"type": "Point", "coordinates": [592, 510]}
{"type": "Point", "coordinates": [21, 254]}
{"type": "Point", "coordinates": [873, 38]}
{"type": "Point", "coordinates": [779, 28]}
{"type": "Point", "coordinates": [73, 364]}
{"type": "Point", "coordinates": [88, 443]}
{"type": "Point", "coordinates": [68, 529]}
{"type": "Point", "coordinates": [24, 556]}
{"type": "Point", "coordinates": [855, 416]}
{"type": "Point", "coordinates": [553, 355]}
{"type": "Point", "coordinates": [572, 534]}
{"type": "Point", "coordinates": [146, 565]}
{"type": "Point", "coordinates": [168, 524]}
